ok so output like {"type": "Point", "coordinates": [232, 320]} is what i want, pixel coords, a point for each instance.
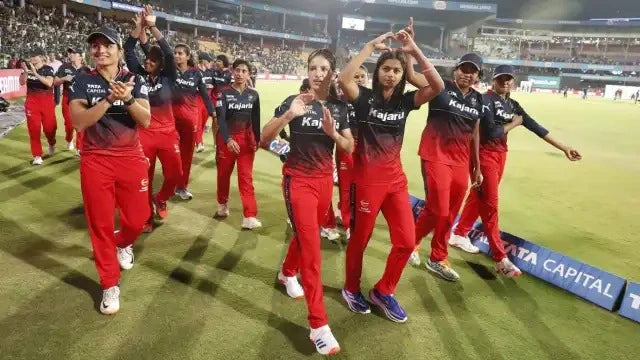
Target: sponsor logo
{"type": "Point", "coordinates": [462, 107]}
{"type": "Point", "coordinates": [497, 104]}
{"type": "Point", "coordinates": [155, 88]}
{"type": "Point", "coordinates": [176, 147]}
{"type": "Point", "coordinates": [189, 83]}
{"type": "Point", "coordinates": [452, 93]}
{"type": "Point", "coordinates": [440, 5]}
{"type": "Point", "coordinates": [503, 114]}
{"type": "Point", "coordinates": [239, 106]}
{"type": "Point", "coordinates": [384, 116]}
{"type": "Point", "coordinates": [144, 90]}
{"type": "Point", "coordinates": [630, 307]}
{"type": "Point", "coordinates": [9, 84]}
{"type": "Point", "coordinates": [144, 185]}
{"type": "Point", "coordinates": [364, 206]}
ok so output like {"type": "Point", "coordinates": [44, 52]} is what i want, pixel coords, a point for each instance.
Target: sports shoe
{"type": "Point", "coordinates": [52, 150]}
{"type": "Point", "coordinates": [443, 269]}
{"type": "Point", "coordinates": [289, 222]}
{"type": "Point", "coordinates": [125, 257]}
{"type": "Point", "coordinates": [77, 153]}
{"type": "Point", "coordinates": [507, 268]}
{"type": "Point", "coordinates": [414, 259]}
{"type": "Point", "coordinates": [184, 194]}
{"type": "Point", "coordinates": [292, 285]}
{"type": "Point", "coordinates": [223, 210]}
{"type": "Point", "coordinates": [161, 208]}
{"type": "Point", "coordinates": [70, 146]}
{"type": "Point", "coordinates": [463, 243]}
{"type": "Point", "coordinates": [251, 223]}
{"type": "Point", "coordinates": [347, 234]}
{"type": "Point", "coordinates": [325, 342]}
{"type": "Point", "coordinates": [389, 305]}
{"type": "Point", "coordinates": [147, 228]}
{"type": "Point", "coordinates": [199, 147]}
{"type": "Point", "coordinates": [330, 234]}
{"type": "Point", "coordinates": [356, 302]}
{"type": "Point", "coordinates": [37, 160]}
{"type": "Point", "coordinates": [110, 300]}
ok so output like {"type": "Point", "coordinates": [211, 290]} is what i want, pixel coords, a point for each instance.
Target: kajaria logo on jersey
{"type": "Point", "coordinates": [239, 106]}
{"type": "Point", "coordinates": [503, 114]}
{"type": "Point", "coordinates": [385, 116]}
{"type": "Point", "coordinates": [463, 107]}
{"type": "Point", "coordinates": [190, 82]}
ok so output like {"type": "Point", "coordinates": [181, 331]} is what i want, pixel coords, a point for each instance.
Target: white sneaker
{"type": "Point", "coordinates": [463, 243]}
{"type": "Point", "coordinates": [325, 342]}
{"type": "Point", "coordinates": [330, 234]}
{"type": "Point", "coordinates": [52, 150]}
{"type": "Point", "coordinates": [507, 268]}
{"type": "Point", "coordinates": [125, 257]}
{"type": "Point", "coordinates": [347, 234]}
{"type": "Point", "coordinates": [184, 194]}
{"type": "Point", "coordinates": [223, 210]}
{"type": "Point", "coordinates": [289, 223]}
{"type": "Point", "coordinates": [77, 153]}
{"type": "Point", "coordinates": [110, 300]}
{"type": "Point", "coordinates": [292, 285]}
{"type": "Point", "coordinates": [251, 223]}
{"type": "Point", "coordinates": [70, 146]}
{"type": "Point", "coordinates": [200, 148]}
{"type": "Point", "coordinates": [37, 160]}
{"type": "Point", "coordinates": [414, 259]}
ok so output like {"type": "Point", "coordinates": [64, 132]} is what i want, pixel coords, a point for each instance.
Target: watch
{"type": "Point", "coordinates": [130, 101]}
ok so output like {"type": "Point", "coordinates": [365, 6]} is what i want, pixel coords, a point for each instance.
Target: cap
{"type": "Point", "coordinates": [109, 33]}
{"type": "Point", "coordinates": [37, 52]}
{"type": "Point", "coordinates": [504, 70]}
{"type": "Point", "coordinates": [71, 50]}
{"type": "Point", "coordinates": [204, 56]}
{"type": "Point", "coordinates": [471, 58]}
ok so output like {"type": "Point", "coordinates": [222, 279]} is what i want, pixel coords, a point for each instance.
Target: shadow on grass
{"type": "Point", "coordinates": [525, 308]}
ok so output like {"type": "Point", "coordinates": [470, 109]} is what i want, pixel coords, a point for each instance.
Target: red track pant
{"type": "Point", "coordinates": [187, 130]}
{"type": "Point", "coordinates": [110, 182]}
{"type": "Point", "coordinates": [447, 186]}
{"type": "Point", "coordinates": [307, 200]}
{"type": "Point", "coordinates": [226, 160]}
{"type": "Point", "coordinates": [368, 200]}
{"type": "Point", "coordinates": [164, 146]}
{"type": "Point", "coordinates": [484, 202]}
{"type": "Point", "coordinates": [345, 178]}
{"type": "Point", "coordinates": [41, 116]}
{"type": "Point", "coordinates": [203, 120]}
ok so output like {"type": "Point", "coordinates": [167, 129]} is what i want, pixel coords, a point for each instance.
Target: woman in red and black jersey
{"type": "Point", "coordinates": [40, 106]}
{"type": "Point", "coordinates": [188, 87]}
{"type": "Point", "coordinates": [109, 104]}
{"type": "Point", "coordinates": [380, 183]}
{"type": "Point", "coordinates": [160, 140]}
{"type": "Point", "coordinates": [502, 114]}
{"type": "Point", "coordinates": [316, 121]}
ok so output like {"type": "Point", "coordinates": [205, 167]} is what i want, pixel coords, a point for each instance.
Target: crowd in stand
{"type": "Point", "coordinates": [273, 59]}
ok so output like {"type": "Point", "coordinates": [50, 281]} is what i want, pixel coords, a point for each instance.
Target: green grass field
{"type": "Point", "coordinates": [203, 289]}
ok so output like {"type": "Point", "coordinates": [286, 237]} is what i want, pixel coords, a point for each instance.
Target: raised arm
{"type": "Point", "coordinates": [345, 80]}
{"type": "Point", "coordinates": [275, 125]}
{"type": "Point", "coordinates": [433, 83]}
{"type": "Point", "coordinates": [129, 46]}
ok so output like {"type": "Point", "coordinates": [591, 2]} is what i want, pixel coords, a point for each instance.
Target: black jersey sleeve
{"type": "Point", "coordinates": [170, 69]}
{"type": "Point", "coordinates": [78, 88]}
{"type": "Point", "coordinates": [281, 110]}
{"type": "Point", "coordinates": [202, 88]}
{"type": "Point", "coordinates": [409, 100]}
{"type": "Point", "coordinates": [255, 118]}
{"type": "Point", "coordinates": [488, 123]}
{"type": "Point", "coordinates": [222, 117]}
{"type": "Point", "coordinates": [130, 56]}
{"type": "Point", "coordinates": [528, 122]}
{"type": "Point", "coordinates": [140, 88]}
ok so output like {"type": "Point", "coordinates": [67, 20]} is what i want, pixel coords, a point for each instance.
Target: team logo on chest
{"type": "Point", "coordinates": [385, 116]}
{"type": "Point", "coordinates": [463, 107]}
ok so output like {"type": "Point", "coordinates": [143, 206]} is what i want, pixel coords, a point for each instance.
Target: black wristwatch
{"type": "Point", "coordinates": [130, 101]}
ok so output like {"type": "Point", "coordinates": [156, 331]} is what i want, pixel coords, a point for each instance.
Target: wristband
{"type": "Point", "coordinates": [130, 101]}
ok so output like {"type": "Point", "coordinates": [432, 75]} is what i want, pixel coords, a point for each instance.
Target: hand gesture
{"type": "Point", "coordinates": [233, 146]}
{"type": "Point", "coordinates": [121, 91]}
{"type": "Point", "coordinates": [138, 19]}
{"type": "Point", "coordinates": [408, 45]}
{"type": "Point", "coordinates": [32, 68]}
{"type": "Point", "coordinates": [299, 105]}
{"type": "Point", "coordinates": [517, 120]}
{"type": "Point", "coordinates": [149, 18]}
{"type": "Point", "coordinates": [23, 65]}
{"type": "Point", "coordinates": [378, 43]}
{"type": "Point", "coordinates": [409, 28]}
{"type": "Point", "coordinates": [477, 178]}
{"type": "Point", "coordinates": [328, 123]}
{"type": "Point", "coordinates": [572, 154]}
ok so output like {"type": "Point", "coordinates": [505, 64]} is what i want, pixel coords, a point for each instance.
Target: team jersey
{"type": "Point", "coordinates": [499, 111]}
{"type": "Point", "coordinates": [34, 86]}
{"type": "Point", "coordinates": [188, 86]}
{"type": "Point", "coordinates": [311, 153]}
{"type": "Point", "coordinates": [67, 69]}
{"type": "Point", "coordinates": [221, 78]}
{"type": "Point", "coordinates": [238, 112]}
{"type": "Point", "coordinates": [115, 133]}
{"type": "Point", "coordinates": [380, 135]}
{"type": "Point", "coordinates": [452, 117]}
{"type": "Point", "coordinates": [208, 80]}
{"type": "Point", "coordinates": [160, 89]}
